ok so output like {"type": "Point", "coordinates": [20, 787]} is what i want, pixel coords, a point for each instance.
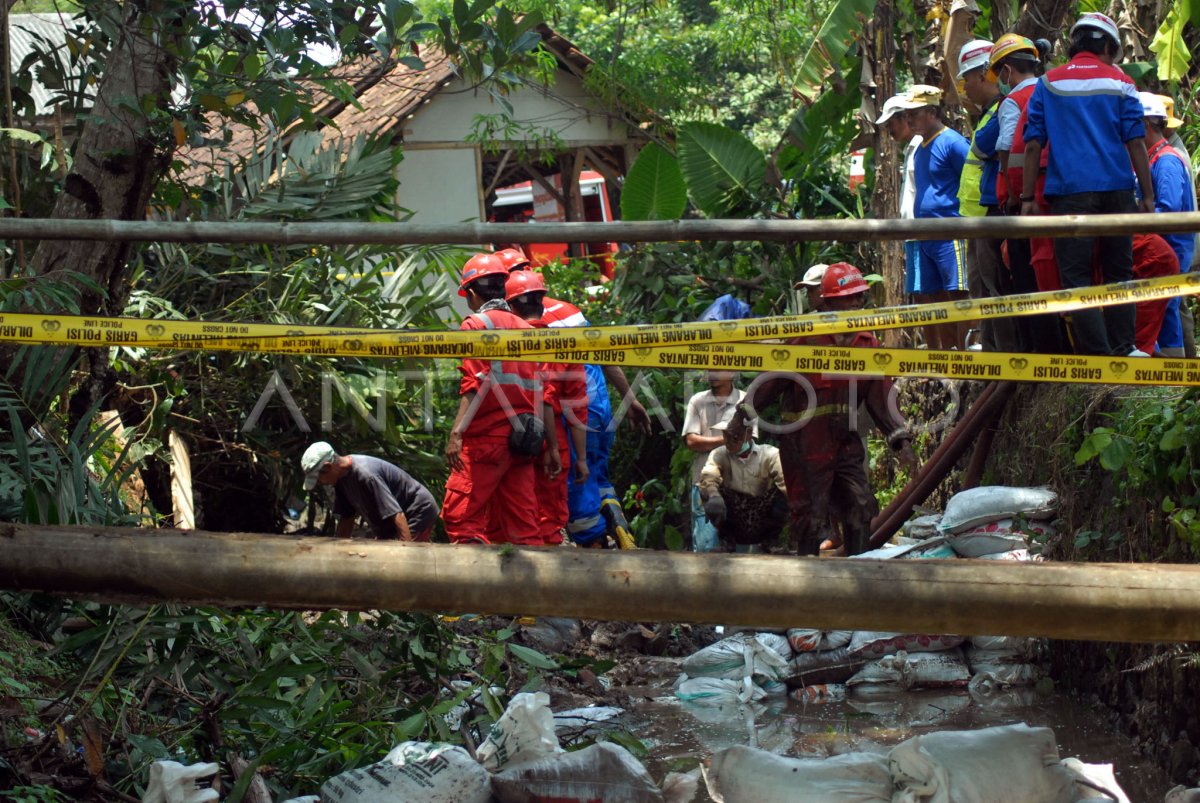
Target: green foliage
{"type": "Point", "coordinates": [723, 170]}
{"type": "Point", "coordinates": [303, 696]}
{"type": "Point", "coordinates": [1151, 449]}
{"type": "Point", "coordinates": [1168, 44]}
{"type": "Point", "coordinates": [838, 32]}
{"type": "Point", "coordinates": [654, 188]}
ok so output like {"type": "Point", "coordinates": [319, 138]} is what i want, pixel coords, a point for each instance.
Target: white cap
{"type": "Point", "coordinates": [893, 105]}
{"type": "Point", "coordinates": [973, 55]}
{"type": "Point", "coordinates": [813, 276]}
{"type": "Point", "coordinates": [1152, 105]}
{"type": "Point", "coordinates": [1102, 23]}
{"type": "Point", "coordinates": [315, 457]}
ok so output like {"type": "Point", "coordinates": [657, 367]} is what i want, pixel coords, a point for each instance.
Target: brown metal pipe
{"type": "Point", "coordinates": [955, 445]}
{"type": "Point", "coordinates": [900, 500]}
{"type": "Point", "coordinates": [1109, 602]}
{"type": "Point", "coordinates": [862, 229]}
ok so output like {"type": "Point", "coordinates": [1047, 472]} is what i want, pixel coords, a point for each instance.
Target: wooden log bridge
{"type": "Point", "coordinates": [1104, 602]}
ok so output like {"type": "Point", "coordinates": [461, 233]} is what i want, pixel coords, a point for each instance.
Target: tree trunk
{"type": "Point", "coordinates": [880, 56]}
{"type": "Point", "coordinates": [1042, 18]}
{"type": "Point", "coordinates": [123, 150]}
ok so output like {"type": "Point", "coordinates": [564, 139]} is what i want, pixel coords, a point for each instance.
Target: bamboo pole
{"type": "Point", "coordinates": [651, 231]}
{"type": "Point", "coordinates": [1107, 602]}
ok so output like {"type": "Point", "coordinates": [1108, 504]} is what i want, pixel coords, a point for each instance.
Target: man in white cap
{"type": "Point", "coordinates": [986, 277]}
{"type": "Point", "coordinates": [392, 502]}
{"type": "Point", "coordinates": [1088, 113]}
{"type": "Point", "coordinates": [897, 127]}
{"type": "Point", "coordinates": [1173, 192]}
{"type": "Point", "coordinates": [811, 285]}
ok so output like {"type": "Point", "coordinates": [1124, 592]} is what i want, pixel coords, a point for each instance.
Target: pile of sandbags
{"type": "Point", "coordinates": [997, 522]}
{"type": "Point", "coordinates": [993, 523]}
{"type": "Point", "coordinates": [520, 760]}
{"type": "Point", "coordinates": [746, 667]}
{"type": "Point", "coordinates": [1012, 762]}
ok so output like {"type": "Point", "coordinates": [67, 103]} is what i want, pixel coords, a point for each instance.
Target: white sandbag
{"type": "Point", "coordinates": [974, 544]}
{"type": "Point", "coordinates": [523, 733]}
{"type": "Point", "coordinates": [1027, 528]}
{"type": "Point", "coordinates": [819, 693]}
{"type": "Point", "coordinates": [801, 640]}
{"type": "Point", "coordinates": [743, 655]}
{"type": "Point", "coordinates": [918, 670]}
{"type": "Point", "coordinates": [1002, 698]}
{"type": "Point", "coordinates": [680, 787]}
{"type": "Point", "coordinates": [922, 526]}
{"type": "Point", "coordinates": [172, 782]}
{"type": "Point", "coordinates": [988, 677]}
{"type": "Point", "coordinates": [991, 502]}
{"type": "Point", "coordinates": [1015, 653]}
{"type": "Point", "coordinates": [823, 666]}
{"type": "Point", "coordinates": [744, 775]}
{"type": "Point", "coordinates": [993, 765]}
{"type": "Point", "coordinates": [1020, 645]}
{"type": "Point", "coordinates": [1095, 781]}
{"type": "Point", "coordinates": [1001, 666]}
{"type": "Point", "coordinates": [876, 645]}
{"type": "Point", "coordinates": [600, 772]}
{"type": "Point", "coordinates": [718, 691]}
{"type": "Point", "coordinates": [433, 773]}
{"type": "Point", "coordinates": [929, 548]}
{"type": "Point", "coordinates": [1181, 794]}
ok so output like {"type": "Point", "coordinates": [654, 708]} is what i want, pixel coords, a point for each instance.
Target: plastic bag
{"type": "Point", "coordinates": [743, 655]}
{"type": "Point", "coordinates": [986, 678]}
{"type": "Point", "coordinates": [991, 502]}
{"type": "Point", "coordinates": [876, 645]}
{"type": "Point", "coordinates": [918, 670]}
{"type": "Point", "coordinates": [601, 772]}
{"type": "Point", "coordinates": [431, 773]}
{"type": "Point", "coordinates": [584, 723]}
{"type": "Point", "coordinates": [742, 774]}
{"type": "Point", "coordinates": [1012, 762]}
{"type": "Point", "coordinates": [524, 732]}
{"type": "Point", "coordinates": [928, 548]}
{"type": "Point", "coordinates": [172, 782]}
{"type": "Point", "coordinates": [725, 308]}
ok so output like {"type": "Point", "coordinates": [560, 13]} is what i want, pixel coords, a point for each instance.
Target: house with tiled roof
{"type": "Point", "coordinates": [558, 142]}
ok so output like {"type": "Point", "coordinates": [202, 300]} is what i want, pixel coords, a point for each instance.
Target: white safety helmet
{"type": "Point", "coordinates": [1152, 105]}
{"type": "Point", "coordinates": [973, 55]}
{"type": "Point", "coordinates": [1102, 23]}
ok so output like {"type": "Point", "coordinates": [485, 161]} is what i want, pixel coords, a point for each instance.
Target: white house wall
{"type": "Point", "coordinates": [566, 108]}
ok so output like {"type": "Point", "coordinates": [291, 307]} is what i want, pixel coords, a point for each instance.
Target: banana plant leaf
{"type": "Point", "coordinates": [724, 171]}
{"type": "Point", "coordinates": [654, 188]}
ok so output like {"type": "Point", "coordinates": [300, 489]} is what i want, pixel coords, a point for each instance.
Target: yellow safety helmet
{"type": "Point", "coordinates": [1012, 44]}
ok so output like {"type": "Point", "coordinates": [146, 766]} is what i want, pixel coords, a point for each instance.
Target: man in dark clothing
{"type": "Point", "coordinates": [395, 505]}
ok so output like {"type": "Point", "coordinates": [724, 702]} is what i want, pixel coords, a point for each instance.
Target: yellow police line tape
{"type": "Point", "coordinates": [879, 362]}
{"type": "Point", "coordinates": [756, 357]}
{"type": "Point", "coordinates": [358, 342]}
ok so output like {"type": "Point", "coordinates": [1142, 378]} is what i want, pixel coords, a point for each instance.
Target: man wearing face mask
{"type": "Point", "coordinates": [743, 488]}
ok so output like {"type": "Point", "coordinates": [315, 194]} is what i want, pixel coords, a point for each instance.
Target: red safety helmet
{"type": "Point", "coordinates": [521, 282]}
{"type": "Point", "coordinates": [513, 259]}
{"type": "Point", "coordinates": [842, 279]}
{"type": "Point", "coordinates": [478, 266]}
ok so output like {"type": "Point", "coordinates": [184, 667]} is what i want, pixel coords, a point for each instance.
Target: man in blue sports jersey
{"type": "Point", "coordinates": [1089, 113]}
{"type": "Point", "coordinates": [938, 168]}
{"type": "Point", "coordinates": [1172, 193]}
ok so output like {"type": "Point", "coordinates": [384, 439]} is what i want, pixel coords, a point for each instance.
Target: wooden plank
{"type": "Point", "coordinates": [1106, 602]}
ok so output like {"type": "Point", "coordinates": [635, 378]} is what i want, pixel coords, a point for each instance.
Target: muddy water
{"type": "Point", "coordinates": [677, 734]}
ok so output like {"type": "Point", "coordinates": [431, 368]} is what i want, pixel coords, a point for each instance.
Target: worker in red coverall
{"type": "Point", "coordinates": [1152, 256]}
{"type": "Point", "coordinates": [489, 477]}
{"type": "Point", "coordinates": [564, 388]}
{"type": "Point", "coordinates": [822, 453]}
